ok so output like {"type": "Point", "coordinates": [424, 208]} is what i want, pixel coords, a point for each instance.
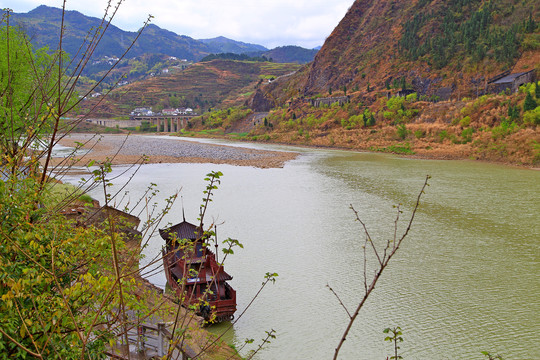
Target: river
{"type": "Point", "coordinates": [465, 280]}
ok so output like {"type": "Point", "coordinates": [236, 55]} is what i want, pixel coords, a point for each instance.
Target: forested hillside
{"type": "Point", "coordinates": [221, 44]}
{"type": "Point", "coordinates": [453, 45]}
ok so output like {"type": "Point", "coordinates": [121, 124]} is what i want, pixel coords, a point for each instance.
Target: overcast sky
{"type": "Point", "coordinates": [270, 23]}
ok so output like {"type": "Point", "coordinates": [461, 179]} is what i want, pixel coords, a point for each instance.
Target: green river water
{"type": "Point", "coordinates": [466, 280]}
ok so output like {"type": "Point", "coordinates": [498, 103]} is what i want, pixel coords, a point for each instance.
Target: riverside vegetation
{"type": "Point", "coordinates": [499, 127]}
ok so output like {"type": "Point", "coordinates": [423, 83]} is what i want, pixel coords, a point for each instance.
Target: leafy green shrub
{"type": "Point", "coordinates": [504, 129]}
{"type": "Point", "coordinates": [443, 135]}
{"type": "Point", "coordinates": [527, 88]}
{"type": "Point", "coordinates": [411, 97]}
{"type": "Point", "coordinates": [86, 198]}
{"type": "Point", "coordinates": [399, 110]}
{"type": "Point", "coordinates": [367, 118]}
{"type": "Point", "coordinates": [354, 121]}
{"type": "Point", "coordinates": [474, 106]}
{"type": "Point", "coordinates": [402, 131]}
{"type": "Point", "coordinates": [225, 118]}
{"type": "Point", "coordinates": [395, 103]}
{"type": "Point", "coordinates": [532, 117]}
{"type": "Point", "coordinates": [394, 337]}
{"type": "Point", "coordinates": [466, 121]}
{"type": "Point", "coordinates": [311, 121]}
{"type": "Point", "coordinates": [466, 135]}
{"type": "Point", "coordinates": [388, 115]}
{"type": "Point", "coordinates": [536, 152]}
{"type": "Point", "coordinates": [419, 134]}
{"type": "Point", "coordinates": [147, 126]}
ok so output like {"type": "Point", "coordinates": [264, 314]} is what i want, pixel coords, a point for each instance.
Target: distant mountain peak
{"type": "Point", "coordinates": [221, 44]}
{"type": "Point", "coordinates": [42, 8]}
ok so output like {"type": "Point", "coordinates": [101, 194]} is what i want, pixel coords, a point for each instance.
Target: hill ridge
{"type": "Point", "coordinates": [457, 46]}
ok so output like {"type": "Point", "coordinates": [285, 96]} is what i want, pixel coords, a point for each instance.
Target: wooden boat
{"type": "Point", "coordinates": [195, 275]}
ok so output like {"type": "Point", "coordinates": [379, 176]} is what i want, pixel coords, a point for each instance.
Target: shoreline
{"type": "Point", "coordinates": [101, 150]}
{"type": "Point", "coordinates": [443, 156]}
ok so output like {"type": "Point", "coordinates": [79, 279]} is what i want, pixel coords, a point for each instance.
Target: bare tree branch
{"type": "Point", "coordinates": [383, 263]}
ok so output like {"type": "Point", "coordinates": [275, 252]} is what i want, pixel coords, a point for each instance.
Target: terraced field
{"type": "Point", "coordinates": [201, 86]}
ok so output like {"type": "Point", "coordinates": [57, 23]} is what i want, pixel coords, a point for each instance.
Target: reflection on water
{"type": "Point", "coordinates": [465, 281]}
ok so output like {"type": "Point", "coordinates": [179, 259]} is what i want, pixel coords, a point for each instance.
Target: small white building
{"type": "Point", "coordinates": [169, 112]}
{"type": "Point", "coordinates": [142, 112]}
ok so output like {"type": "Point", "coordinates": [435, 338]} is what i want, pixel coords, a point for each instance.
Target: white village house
{"type": "Point", "coordinates": [142, 111]}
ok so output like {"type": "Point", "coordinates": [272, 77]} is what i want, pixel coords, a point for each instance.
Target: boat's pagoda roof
{"type": "Point", "coordinates": [183, 230]}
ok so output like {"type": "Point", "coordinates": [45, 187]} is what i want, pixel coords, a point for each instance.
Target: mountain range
{"type": "Point", "coordinates": [43, 23]}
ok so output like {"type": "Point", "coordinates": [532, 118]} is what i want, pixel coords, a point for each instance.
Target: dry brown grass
{"type": "Point", "coordinates": [439, 130]}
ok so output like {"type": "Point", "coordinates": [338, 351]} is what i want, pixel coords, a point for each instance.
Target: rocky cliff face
{"type": "Point", "coordinates": [348, 46]}
{"type": "Point", "coordinates": [259, 103]}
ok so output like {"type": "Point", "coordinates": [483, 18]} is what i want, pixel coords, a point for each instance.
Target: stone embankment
{"type": "Point", "coordinates": [122, 149]}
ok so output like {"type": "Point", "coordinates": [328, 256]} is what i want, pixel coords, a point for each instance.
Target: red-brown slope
{"type": "Point", "coordinates": [357, 38]}
{"type": "Point", "coordinates": [364, 49]}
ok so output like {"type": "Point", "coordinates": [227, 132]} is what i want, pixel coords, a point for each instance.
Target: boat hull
{"type": "Point", "coordinates": [208, 295]}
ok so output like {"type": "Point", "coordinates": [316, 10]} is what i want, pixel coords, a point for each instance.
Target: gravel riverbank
{"type": "Point", "coordinates": [122, 149]}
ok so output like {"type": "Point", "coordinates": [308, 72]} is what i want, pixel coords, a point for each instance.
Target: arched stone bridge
{"type": "Point", "coordinates": [164, 123]}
